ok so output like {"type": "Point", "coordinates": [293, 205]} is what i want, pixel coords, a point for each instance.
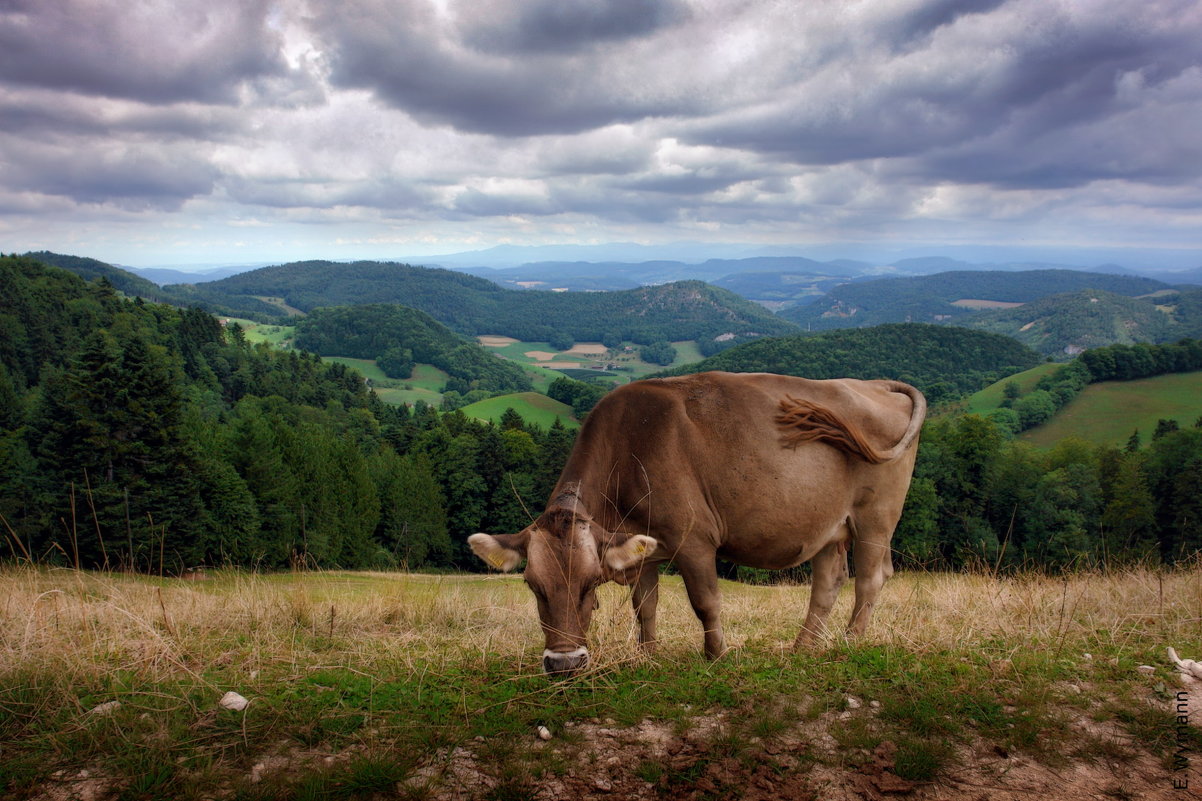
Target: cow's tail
{"type": "Point", "coordinates": [805, 421]}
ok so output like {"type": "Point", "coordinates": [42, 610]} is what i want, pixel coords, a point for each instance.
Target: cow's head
{"type": "Point", "coordinates": [568, 556]}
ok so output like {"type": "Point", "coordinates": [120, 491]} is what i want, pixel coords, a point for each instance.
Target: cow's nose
{"type": "Point", "coordinates": [565, 663]}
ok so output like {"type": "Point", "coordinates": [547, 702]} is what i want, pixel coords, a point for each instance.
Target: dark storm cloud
{"type": "Point", "coordinates": [425, 66]}
{"type": "Point", "coordinates": [52, 116]}
{"type": "Point", "coordinates": [932, 15]}
{"type": "Point", "coordinates": [564, 26]}
{"type": "Point", "coordinates": [152, 52]}
{"type": "Point", "coordinates": [1015, 116]}
{"type": "Point", "coordinates": [129, 178]}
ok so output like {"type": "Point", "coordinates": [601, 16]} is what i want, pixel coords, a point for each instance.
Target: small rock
{"type": "Point", "coordinates": [1146, 669]}
{"type": "Point", "coordinates": [1074, 689]}
{"type": "Point", "coordinates": [875, 704]}
{"type": "Point", "coordinates": [853, 702]}
{"type": "Point", "coordinates": [479, 738]}
{"type": "Point", "coordinates": [107, 708]}
{"type": "Point", "coordinates": [1088, 656]}
{"type": "Point", "coordinates": [233, 701]}
{"type": "Point", "coordinates": [604, 785]}
{"type": "Point", "coordinates": [544, 733]}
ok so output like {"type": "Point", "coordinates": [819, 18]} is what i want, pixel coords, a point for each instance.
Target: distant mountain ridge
{"type": "Point", "coordinates": [934, 298]}
{"type": "Point", "coordinates": [473, 305]}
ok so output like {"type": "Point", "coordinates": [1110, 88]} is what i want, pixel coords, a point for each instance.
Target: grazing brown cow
{"type": "Point", "coordinates": [762, 470]}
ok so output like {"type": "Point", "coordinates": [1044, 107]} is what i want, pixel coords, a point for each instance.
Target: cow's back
{"type": "Point", "coordinates": [701, 458]}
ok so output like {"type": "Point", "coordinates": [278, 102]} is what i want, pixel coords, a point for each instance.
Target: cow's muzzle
{"type": "Point", "coordinates": [565, 663]}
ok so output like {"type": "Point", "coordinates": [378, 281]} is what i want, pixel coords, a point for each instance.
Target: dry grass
{"type": "Point", "coordinates": [70, 623]}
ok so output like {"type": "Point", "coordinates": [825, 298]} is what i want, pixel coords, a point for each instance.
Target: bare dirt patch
{"type": "Point", "coordinates": [492, 341]}
{"type": "Point", "coordinates": [589, 349]}
{"type": "Point", "coordinates": [701, 759]}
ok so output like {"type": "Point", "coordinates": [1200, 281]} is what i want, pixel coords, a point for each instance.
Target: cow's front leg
{"type": "Point", "coordinates": [701, 582]}
{"type": "Point", "coordinates": [644, 596]}
{"type": "Point", "coordinates": [829, 569]}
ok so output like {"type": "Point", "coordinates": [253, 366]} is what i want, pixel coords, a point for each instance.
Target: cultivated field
{"type": "Point", "coordinates": [372, 685]}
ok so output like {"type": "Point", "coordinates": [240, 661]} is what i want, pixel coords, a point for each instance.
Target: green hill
{"type": "Point", "coordinates": [91, 269]}
{"type": "Point", "coordinates": [990, 398]}
{"type": "Point", "coordinates": [947, 296]}
{"type": "Point", "coordinates": [474, 306]}
{"type": "Point", "coordinates": [1107, 413]}
{"type": "Point", "coordinates": [398, 337]}
{"type": "Point", "coordinates": [942, 361]}
{"type": "Point", "coordinates": [533, 407]}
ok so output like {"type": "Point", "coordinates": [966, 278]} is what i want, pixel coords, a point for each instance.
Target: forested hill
{"type": "Point", "coordinates": [470, 305]}
{"type": "Point", "coordinates": [398, 337]}
{"type": "Point", "coordinates": [942, 361]}
{"type": "Point", "coordinates": [90, 269]}
{"type": "Point", "coordinates": [1073, 322]}
{"type": "Point", "coordinates": [933, 298]}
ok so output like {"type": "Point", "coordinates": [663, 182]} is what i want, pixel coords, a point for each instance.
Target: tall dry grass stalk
{"type": "Point", "coordinates": [69, 626]}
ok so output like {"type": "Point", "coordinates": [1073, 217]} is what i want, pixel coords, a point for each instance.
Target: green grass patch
{"type": "Point", "coordinates": [366, 367]}
{"type": "Point", "coordinates": [533, 407]}
{"type": "Point", "coordinates": [991, 397]}
{"type": "Point", "coordinates": [275, 335]}
{"type": "Point", "coordinates": [1107, 413]}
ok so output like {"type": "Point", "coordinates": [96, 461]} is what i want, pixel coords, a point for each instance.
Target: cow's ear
{"type": "Point", "coordinates": [628, 553]}
{"type": "Point", "coordinates": [503, 552]}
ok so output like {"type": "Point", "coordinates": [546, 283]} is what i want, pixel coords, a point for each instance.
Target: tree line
{"type": "Point", "coordinates": [981, 499]}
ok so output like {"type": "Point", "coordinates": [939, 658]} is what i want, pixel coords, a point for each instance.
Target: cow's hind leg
{"type": "Point", "coordinates": [701, 583]}
{"type": "Point", "coordinates": [873, 558]}
{"type": "Point", "coordinates": [829, 568]}
{"type": "Point", "coordinates": [644, 596]}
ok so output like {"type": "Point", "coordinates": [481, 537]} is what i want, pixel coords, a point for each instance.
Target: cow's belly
{"type": "Point", "coordinates": [774, 543]}
{"type": "Point", "coordinates": [788, 510]}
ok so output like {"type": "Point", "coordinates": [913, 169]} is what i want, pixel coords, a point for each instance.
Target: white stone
{"type": "Point", "coordinates": [233, 701]}
{"type": "Point", "coordinates": [544, 733]}
{"type": "Point", "coordinates": [853, 702]}
{"type": "Point", "coordinates": [107, 708]}
{"type": "Point", "coordinates": [1146, 669]}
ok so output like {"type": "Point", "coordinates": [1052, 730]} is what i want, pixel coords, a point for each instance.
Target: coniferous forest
{"type": "Point", "coordinates": [142, 435]}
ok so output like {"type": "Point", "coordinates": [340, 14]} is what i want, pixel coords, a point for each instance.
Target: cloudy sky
{"type": "Point", "coordinates": [205, 131]}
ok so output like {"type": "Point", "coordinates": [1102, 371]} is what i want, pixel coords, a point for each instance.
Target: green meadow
{"type": "Point", "coordinates": [991, 397]}
{"type": "Point", "coordinates": [533, 407]}
{"type": "Point", "coordinates": [1107, 413]}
